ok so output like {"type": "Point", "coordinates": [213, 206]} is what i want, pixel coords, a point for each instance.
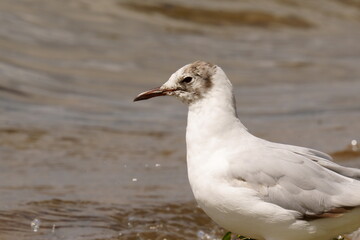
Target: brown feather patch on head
{"type": "Point", "coordinates": [204, 70]}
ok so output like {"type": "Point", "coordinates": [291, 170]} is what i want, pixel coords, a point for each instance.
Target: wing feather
{"type": "Point", "coordinates": [321, 158]}
{"type": "Point", "coordinates": [297, 179]}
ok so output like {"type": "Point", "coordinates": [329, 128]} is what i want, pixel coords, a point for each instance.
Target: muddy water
{"type": "Point", "coordinates": [83, 161]}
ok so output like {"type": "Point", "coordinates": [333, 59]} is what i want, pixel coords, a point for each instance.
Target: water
{"type": "Point", "coordinates": [93, 220]}
{"type": "Point", "coordinates": [78, 155]}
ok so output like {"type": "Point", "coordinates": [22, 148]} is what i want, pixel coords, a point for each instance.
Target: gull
{"type": "Point", "coordinates": [251, 186]}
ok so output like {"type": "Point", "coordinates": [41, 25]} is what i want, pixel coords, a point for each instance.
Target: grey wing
{"type": "Point", "coordinates": [321, 158]}
{"type": "Point", "coordinates": [296, 182]}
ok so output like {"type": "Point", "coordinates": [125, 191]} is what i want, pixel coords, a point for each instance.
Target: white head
{"type": "Point", "coordinates": [192, 83]}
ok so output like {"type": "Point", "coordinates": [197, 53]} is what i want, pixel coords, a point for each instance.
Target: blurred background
{"type": "Point", "coordinates": [80, 160]}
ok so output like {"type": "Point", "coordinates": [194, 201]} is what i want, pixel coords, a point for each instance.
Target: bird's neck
{"type": "Point", "coordinates": [212, 117]}
{"type": "Point", "coordinates": [212, 126]}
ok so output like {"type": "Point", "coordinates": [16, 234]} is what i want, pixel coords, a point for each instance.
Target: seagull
{"type": "Point", "coordinates": [251, 186]}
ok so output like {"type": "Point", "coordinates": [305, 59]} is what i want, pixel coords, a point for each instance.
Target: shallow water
{"type": "Point", "coordinates": [79, 156]}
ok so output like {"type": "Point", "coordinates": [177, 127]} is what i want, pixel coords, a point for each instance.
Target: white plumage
{"type": "Point", "coordinates": [251, 186]}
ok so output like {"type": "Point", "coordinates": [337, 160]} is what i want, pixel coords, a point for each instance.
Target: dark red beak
{"type": "Point", "coordinates": [150, 94]}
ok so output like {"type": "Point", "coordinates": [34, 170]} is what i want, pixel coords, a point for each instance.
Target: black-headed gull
{"type": "Point", "coordinates": [251, 186]}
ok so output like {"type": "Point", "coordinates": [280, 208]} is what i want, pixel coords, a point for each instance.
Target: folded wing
{"type": "Point", "coordinates": [321, 158]}
{"type": "Point", "coordinates": [299, 179]}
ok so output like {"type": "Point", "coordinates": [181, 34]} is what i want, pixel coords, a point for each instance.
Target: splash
{"type": "Point", "coordinates": [354, 145]}
{"type": "Point", "coordinates": [35, 225]}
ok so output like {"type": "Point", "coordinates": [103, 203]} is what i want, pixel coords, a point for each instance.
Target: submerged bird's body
{"type": "Point", "coordinates": [248, 185]}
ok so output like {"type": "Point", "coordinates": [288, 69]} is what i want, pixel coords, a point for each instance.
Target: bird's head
{"type": "Point", "coordinates": [190, 83]}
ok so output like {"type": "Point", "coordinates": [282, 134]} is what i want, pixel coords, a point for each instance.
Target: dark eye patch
{"type": "Point", "coordinates": [187, 80]}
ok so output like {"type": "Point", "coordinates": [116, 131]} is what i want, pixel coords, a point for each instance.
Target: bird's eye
{"type": "Point", "coordinates": [187, 80]}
